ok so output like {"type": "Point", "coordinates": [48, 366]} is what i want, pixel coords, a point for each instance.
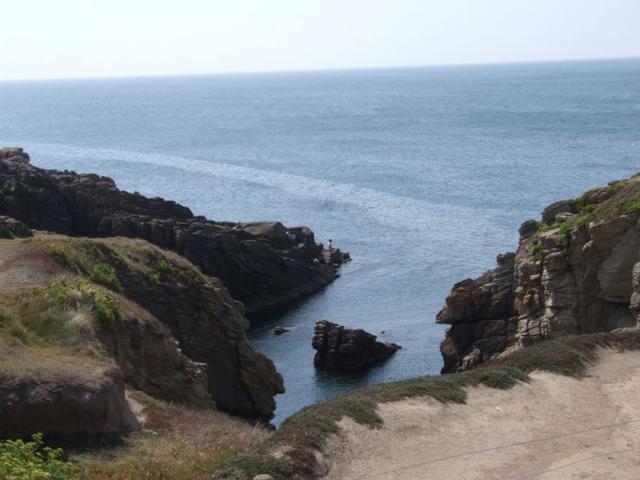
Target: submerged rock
{"type": "Point", "coordinates": [341, 348]}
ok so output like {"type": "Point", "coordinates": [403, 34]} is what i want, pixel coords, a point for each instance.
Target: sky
{"type": "Point", "coordinates": [106, 38]}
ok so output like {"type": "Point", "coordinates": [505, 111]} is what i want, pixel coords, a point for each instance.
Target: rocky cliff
{"type": "Point", "coordinates": [263, 265]}
{"type": "Point", "coordinates": [574, 272]}
{"type": "Point", "coordinates": [82, 319]}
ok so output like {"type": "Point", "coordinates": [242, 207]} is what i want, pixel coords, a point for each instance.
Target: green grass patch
{"type": "Point", "coordinates": [618, 198]}
{"type": "Point", "coordinates": [536, 251]}
{"type": "Point", "coordinates": [64, 311]}
{"type": "Point", "coordinates": [248, 465]}
{"type": "Point", "coordinates": [88, 258]}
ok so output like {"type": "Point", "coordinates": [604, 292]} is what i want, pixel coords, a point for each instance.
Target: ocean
{"type": "Point", "coordinates": [422, 174]}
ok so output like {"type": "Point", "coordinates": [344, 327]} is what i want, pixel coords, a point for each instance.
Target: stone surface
{"type": "Point", "coordinates": [264, 265]}
{"type": "Point", "coordinates": [340, 348]}
{"type": "Point", "coordinates": [563, 206]}
{"type": "Point", "coordinates": [557, 282]}
{"type": "Point", "coordinates": [64, 404]}
{"type": "Point", "coordinates": [11, 228]}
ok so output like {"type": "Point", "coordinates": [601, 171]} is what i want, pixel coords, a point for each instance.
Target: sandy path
{"type": "Point", "coordinates": [553, 428]}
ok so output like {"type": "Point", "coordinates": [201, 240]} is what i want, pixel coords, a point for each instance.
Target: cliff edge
{"type": "Point", "coordinates": [575, 272]}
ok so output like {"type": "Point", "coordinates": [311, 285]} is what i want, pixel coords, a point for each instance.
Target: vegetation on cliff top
{"type": "Point", "coordinates": [621, 197]}
{"type": "Point", "coordinates": [104, 261]}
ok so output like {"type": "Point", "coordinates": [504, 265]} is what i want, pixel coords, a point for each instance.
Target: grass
{"type": "Point", "coordinates": [177, 443]}
{"type": "Point", "coordinates": [105, 261]}
{"type": "Point", "coordinates": [88, 258]}
{"type": "Point", "coordinates": [618, 198]}
{"type": "Point", "coordinates": [308, 430]}
{"type": "Point", "coordinates": [48, 332]}
{"type": "Point", "coordinates": [56, 305]}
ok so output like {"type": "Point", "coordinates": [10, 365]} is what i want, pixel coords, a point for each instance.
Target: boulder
{"type": "Point", "coordinates": [12, 228]}
{"type": "Point", "coordinates": [563, 206]}
{"type": "Point", "coordinates": [341, 348]}
{"type": "Point", "coordinates": [64, 403]}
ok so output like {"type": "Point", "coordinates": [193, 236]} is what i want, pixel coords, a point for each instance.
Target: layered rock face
{"type": "Point", "coordinates": [190, 326]}
{"type": "Point", "coordinates": [574, 272]}
{"type": "Point", "coordinates": [340, 348]}
{"type": "Point", "coordinates": [263, 265]}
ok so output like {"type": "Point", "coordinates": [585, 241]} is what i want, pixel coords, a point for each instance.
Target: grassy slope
{"type": "Point", "coordinates": [49, 332]}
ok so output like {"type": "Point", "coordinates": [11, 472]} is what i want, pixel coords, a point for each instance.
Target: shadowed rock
{"type": "Point", "coordinates": [64, 404]}
{"type": "Point", "coordinates": [11, 228]}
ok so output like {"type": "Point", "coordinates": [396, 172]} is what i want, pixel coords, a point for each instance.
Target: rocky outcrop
{"type": "Point", "coordinates": [210, 328]}
{"type": "Point", "coordinates": [11, 228]}
{"type": "Point", "coordinates": [575, 272]}
{"type": "Point", "coordinates": [150, 360]}
{"type": "Point", "coordinates": [188, 342]}
{"type": "Point", "coordinates": [263, 265]}
{"type": "Point", "coordinates": [64, 404]}
{"type": "Point", "coordinates": [340, 348]}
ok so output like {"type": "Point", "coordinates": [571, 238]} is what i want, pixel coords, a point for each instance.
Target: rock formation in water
{"type": "Point", "coordinates": [264, 264]}
{"type": "Point", "coordinates": [340, 348]}
{"type": "Point", "coordinates": [574, 272]}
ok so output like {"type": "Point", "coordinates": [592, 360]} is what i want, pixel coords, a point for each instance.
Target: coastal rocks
{"type": "Point", "coordinates": [190, 344]}
{"type": "Point", "coordinates": [576, 272]}
{"type": "Point", "coordinates": [481, 316]}
{"type": "Point", "coordinates": [264, 265]}
{"type": "Point", "coordinates": [64, 404]}
{"type": "Point", "coordinates": [340, 348]}
{"type": "Point", "coordinates": [11, 228]}
{"type": "Point", "coordinates": [146, 354]}
{"type": "Point", "coordinates": [552, 211]}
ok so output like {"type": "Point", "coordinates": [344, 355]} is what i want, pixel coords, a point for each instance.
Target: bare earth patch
{"type": "Point", "coordinates": [23, 267]}
{"type": "Point", "coordinates": [554, 427]}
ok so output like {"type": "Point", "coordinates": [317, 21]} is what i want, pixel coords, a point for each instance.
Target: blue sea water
{"type": "Point", "coordinates": [423, 174]}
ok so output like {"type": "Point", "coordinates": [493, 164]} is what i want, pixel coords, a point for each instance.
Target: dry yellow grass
{"type": "Point", "coordinates": [176, 443]}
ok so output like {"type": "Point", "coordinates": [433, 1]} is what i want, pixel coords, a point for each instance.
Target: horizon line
{"type": "Point", "coordinates": [318, 70]}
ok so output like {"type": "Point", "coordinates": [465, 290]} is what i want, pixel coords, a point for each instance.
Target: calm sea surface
{"type": "Point", "coordinates": [423, 174]}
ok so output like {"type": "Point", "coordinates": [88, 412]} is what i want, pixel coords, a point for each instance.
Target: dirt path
{"type": "Point", "coordinates": [22, 266]}
{"type": "Point", "coordinates": [553, 428]}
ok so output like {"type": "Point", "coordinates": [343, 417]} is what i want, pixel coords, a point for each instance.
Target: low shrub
{"type": "Point", "coordinates": [32, 460]}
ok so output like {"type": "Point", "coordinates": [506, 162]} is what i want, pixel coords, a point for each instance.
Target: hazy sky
{"type": "Point", "coordinates": [83, 38]}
